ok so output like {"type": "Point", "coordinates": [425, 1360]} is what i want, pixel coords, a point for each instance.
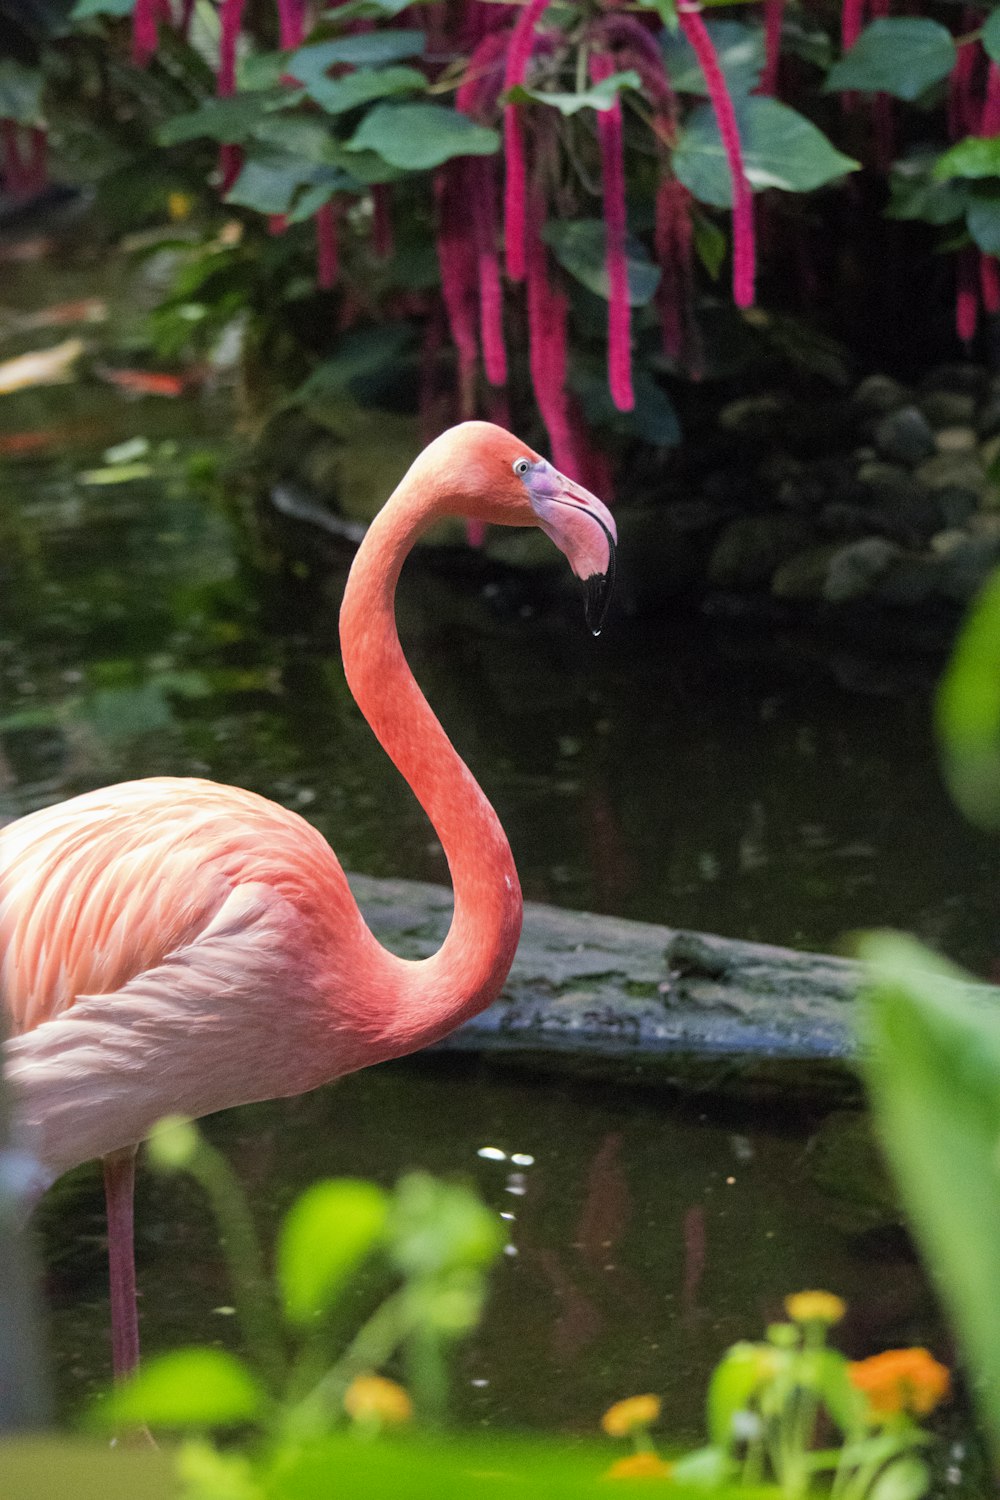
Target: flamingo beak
{"type": "Point", "coordinates": [582, 528]}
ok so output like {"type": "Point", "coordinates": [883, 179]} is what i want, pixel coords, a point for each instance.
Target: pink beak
{"type": "Point", "coordinates": [581, 527]}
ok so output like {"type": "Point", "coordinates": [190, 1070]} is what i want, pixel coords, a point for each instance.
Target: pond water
{"type": "Point", "coordinates": [673, 771]}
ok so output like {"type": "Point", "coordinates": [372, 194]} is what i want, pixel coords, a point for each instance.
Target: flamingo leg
{"type": "Point", "coordinates": [119, 1185]}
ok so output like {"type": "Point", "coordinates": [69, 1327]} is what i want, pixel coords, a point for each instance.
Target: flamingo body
{"type": "Point", "coordinates": [170, 946]}
{"type": "Point", "coordinates": [174, 946]}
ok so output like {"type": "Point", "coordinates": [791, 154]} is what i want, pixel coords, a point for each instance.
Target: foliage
{"type": "Point", "coordinates": [495, 133]}
{"type": "Point", "coordinates": [305, 1410]}
{"type": "Point", "coordinates": [768, 1404]}
{"type": "Point", "coordinates": [932, 1047]}
{"type": "Point", "coordinates": [932, 1062]}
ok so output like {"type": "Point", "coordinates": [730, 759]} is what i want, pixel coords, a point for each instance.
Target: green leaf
{"type": "Point", "coordinates": [307, 139]}
{"type": "Point", "coordinates": [20, 93]}
{"type": "Point", "coordinates": [83, 10]}
{"type": "Point", "coordinates": [736, 1379]}
{"type": "Point", "coordinates": [709, 244]}
{"type": "Point", "coordinates": [42, 1465]}
{"type": "Point", "coordinates": [270, 181]}
{"type": "Point", "coordinates": [781, 149]}
{"type": "Point", "coordinates": [336, 95]}
{"type": "Point", "coordinates": [915, 194]}
{"type": "Point", "coordinates": [261, 70]}
{"type": "Point", "coordinates": [436, 1227]}
{"type": "Point", "coordinates": [186, 1388]}
{"type": "Point", "coordinates": [900, 56]}
{"type": "Point", "coordinates": [326, 1234]}
{"type": "Point", "coordinates": [983, 221]}
{"type": "Point", "coordinates": [968, 712]}
{"type": "Point", "coordinates": [369, 10]}
{"type": "Point", "coordinates": [230, 120]}
{"type": "Point", "coordinates": [739, 48]}
{"type": "Point", "coordinates": [990, 35]}
{"type": "Point", "coordinates": [579, 246]}
{"type": "Point", "coordinates": [653, 418]}
{"type": "Point", "coordinates": [363, 351]}
{"type": "Point", "coordinates": [309, 64]}
{"type": "Point", "coordinates": [906, 1479]}
{"type": "Point", "coordinates": [931, 1061]}
{"type": "Point", "coordinates": [599, 96]}
{"type": "Point", "coordinates": [976, 156]}
{"type": "Point", "coordinates": [418, 136]}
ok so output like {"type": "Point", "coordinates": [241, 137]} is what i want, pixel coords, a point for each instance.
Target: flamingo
{"type": "Point", "coordinates": [174, 946]}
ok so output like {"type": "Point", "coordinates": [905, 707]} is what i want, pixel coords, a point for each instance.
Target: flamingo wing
{"type": "Point", "coordinates": [104, 887]}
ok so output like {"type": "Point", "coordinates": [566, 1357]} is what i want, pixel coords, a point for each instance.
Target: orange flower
{"type": "Point", "coordinates": [815, 1307]}
{"type": "Point", "coordinates": [901, 1380]}
{"type": "Point", "coordinates": [373, 1399]}
{"type": "Point", "coordinates": [640, 1466]}
{"type": "Point", "coordinates": [631, 1415]}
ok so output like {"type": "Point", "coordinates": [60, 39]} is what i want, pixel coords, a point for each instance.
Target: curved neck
{"type": "Point", "coordinates": [419, 1002]}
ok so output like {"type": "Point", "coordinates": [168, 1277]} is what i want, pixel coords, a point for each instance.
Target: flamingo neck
{"type": "Point", "coordinates": [410, 1004]}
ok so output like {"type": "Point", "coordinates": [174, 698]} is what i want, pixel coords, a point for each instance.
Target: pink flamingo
{"type": "Point", "coordinates": [175, 946]}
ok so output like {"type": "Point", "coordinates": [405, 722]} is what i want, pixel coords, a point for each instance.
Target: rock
{"type": "Point", "coordinates": [878, 394]}
{"type": "Point", "coordinates": [948, 408]}
{"type": "Point", "coordinates": [953, 471]}
{"type": "Point", "coordinates": [990, 451]}
{"type": "Point", "coordinates": [944, 543]}
{"type": "Point", "coordinates": [750, 549]}
{"type": "Point", "coordinates": [956, 505]}
{"type": "Point", "coordinates": [985, 523]}
{"type": "Point", "coordinates": [912, 580]}
{"type": "Point", "coordinates": [905, 435]}
{"type": "Point", "coordinates": [955, 440]}
{"type": "Point", "coordinates": [854, 570]}
{"type": "Point", "coordinates": [968, 380]}
{"type": "Point", "coordinates": [967, 566]}
{"type": "Point", "coordinates": [806, 492]}
{"type": "Point", "coordinates": [802, 577]}
{"type": "Point", "coordinates": [759, 417]}
{"type": "Point", "coordinates": [988, 417]}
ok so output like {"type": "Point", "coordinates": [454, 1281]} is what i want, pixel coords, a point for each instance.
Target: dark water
{"type": "Point", "coordinates": [671, 771]}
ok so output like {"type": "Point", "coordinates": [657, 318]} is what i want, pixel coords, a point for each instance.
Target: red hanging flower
{"type": "Point", "coordinates": [609, 135]}
{"type": "Point", "coordinates": [744, 251]}
{"type": "Point", "coordinates": [518, 56]}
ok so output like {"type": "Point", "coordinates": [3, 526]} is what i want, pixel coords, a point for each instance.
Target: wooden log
{"type": "Point", "coordinates": [607, 987]}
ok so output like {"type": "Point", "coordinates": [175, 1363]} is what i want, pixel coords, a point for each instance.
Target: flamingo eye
{"type": "Point", "coordinates": [521, 467]}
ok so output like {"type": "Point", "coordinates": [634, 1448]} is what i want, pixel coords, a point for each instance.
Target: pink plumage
{"type": "Point", "coordinates": [174, 946]}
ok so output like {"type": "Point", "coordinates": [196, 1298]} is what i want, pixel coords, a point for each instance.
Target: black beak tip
{"type": "Point", "coordinates": [596, 598]}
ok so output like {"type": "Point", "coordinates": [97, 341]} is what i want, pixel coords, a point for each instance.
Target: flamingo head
{"type": "Point", "coordinates": [492, 476]}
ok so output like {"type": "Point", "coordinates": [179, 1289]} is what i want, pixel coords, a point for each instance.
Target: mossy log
{"type": "Point", "coordinates": [611, 988]}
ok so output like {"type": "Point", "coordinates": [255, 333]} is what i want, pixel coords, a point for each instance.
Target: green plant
{"type": "Point", "coordinates": [431, 1242]}
{"type": "Point", "coordinates": [794, 1414]}
{"type": "Point", "coordinates": [931, 1046]}
{"type": "Point", "coordinates": [305, 1405]}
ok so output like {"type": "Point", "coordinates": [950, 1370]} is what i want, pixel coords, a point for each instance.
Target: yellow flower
{"type": "Point", "coordinates": [179, 205]}
{"type": "Point", "coordinates": [631, 1415]}
{"type": "Point", "coordinates": [815, 1307]}
{"type": "Point", "coordinates": [639, 1466]}
{"type": "Point", "coordinates": [372, 1399]}
{"type": "Point", "coordinates": [901, 1380]}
